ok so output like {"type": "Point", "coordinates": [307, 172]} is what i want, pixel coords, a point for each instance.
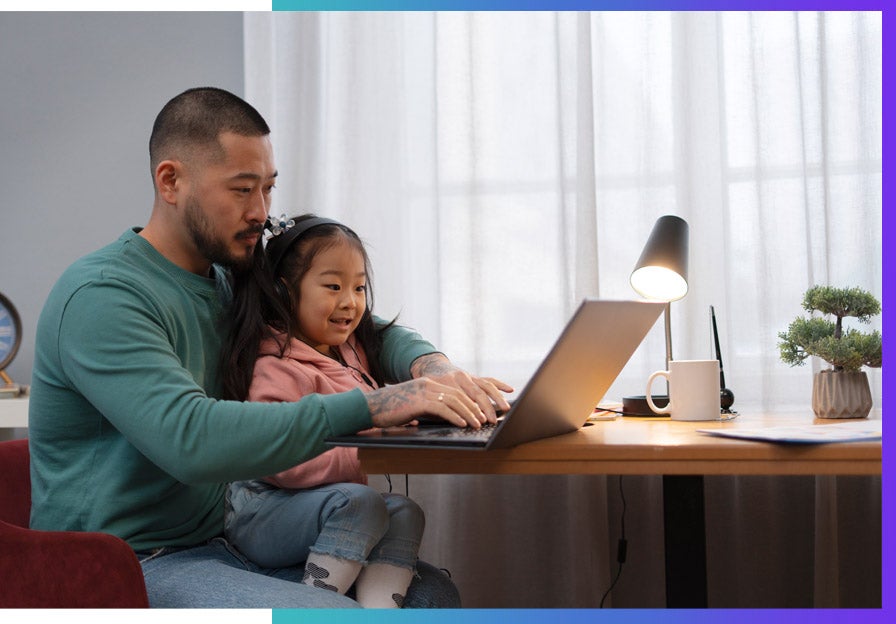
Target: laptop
{"type": "Point", "coordinates": [590, 353]}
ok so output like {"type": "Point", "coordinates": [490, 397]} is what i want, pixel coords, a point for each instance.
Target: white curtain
{"type": "Point", "coordinates": [501, 166]}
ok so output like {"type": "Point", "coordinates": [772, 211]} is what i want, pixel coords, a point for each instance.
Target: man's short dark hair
{"type": "Point", "coordinates": [194, 119]}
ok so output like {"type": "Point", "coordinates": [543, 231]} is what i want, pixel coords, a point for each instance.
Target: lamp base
{"type": "Point", "coordinates": [637, 405]}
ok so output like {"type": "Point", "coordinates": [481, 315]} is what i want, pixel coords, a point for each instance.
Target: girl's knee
{"type": "Point", "coordinates": [361, 501]}
{"type": "Point", "coordinates": [405, 513]}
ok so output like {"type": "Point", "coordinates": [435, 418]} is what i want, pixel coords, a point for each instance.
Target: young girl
{"type": "Point", "coordinates": [309, 322]}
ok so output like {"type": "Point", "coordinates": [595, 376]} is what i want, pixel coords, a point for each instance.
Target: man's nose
{"type": "Point", "coordinates": [258, 208]}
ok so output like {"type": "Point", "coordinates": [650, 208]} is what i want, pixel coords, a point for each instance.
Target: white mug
{"type": "Point", "coordinates": [694, 390]}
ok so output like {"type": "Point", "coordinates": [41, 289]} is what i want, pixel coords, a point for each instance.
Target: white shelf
{"type": "Point", "coordinates": [14, 413]}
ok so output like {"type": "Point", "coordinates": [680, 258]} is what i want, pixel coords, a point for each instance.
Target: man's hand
{"type": "Point", "coordinates": [485, 391]}
{"type": "Point", "coordinates": [400, 403]}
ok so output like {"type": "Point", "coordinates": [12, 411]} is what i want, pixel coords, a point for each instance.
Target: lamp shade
{"type": "Point", "coordinates": [662, 270]}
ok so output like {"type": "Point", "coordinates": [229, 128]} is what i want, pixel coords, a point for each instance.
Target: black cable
{"type": "Point", "coordinates": [623, 413]}
{"type": "Point", "coordinates": [621, 547]}
{"type": "Point", "coordinates": [724, 415]}
{"type": "Point", "coordinates": [407, 489]}
{"type": "Point", "coordinates": [364, 376]}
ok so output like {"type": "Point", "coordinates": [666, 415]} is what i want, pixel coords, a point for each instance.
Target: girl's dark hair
{"type": "Point", "coordinates": [264, 307]}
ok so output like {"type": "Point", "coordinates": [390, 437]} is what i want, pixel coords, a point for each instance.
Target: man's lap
{"type": "Point", "coordinates": [216, 575]}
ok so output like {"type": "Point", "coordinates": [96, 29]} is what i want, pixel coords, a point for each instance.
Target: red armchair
{"type": "Point", "coordinates": [49, 569]}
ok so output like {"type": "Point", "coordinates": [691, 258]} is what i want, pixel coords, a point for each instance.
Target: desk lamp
{"type": "Point", "coordinates": [661, 274]}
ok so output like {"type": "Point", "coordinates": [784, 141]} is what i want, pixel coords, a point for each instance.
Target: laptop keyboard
{"type": "Point", "coordinates": [466, 432]}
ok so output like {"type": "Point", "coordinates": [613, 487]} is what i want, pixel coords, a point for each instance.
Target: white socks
{"type": "Point", "coordinates": [383, 586]}
{"type": "Point", "coordinates": [379, 585]}
{"type": "Point", "coordinates": [330, 573]}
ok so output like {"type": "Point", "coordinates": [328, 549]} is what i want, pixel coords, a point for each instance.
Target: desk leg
{"type": "Point", "coordinates": [685, 537]}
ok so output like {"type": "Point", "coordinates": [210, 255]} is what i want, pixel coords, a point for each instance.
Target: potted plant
{"type": "Point", "coordinates": [841, 391]}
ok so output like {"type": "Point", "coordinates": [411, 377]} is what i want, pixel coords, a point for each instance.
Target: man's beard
{"type": "Point", "coordinates": [212, 247]}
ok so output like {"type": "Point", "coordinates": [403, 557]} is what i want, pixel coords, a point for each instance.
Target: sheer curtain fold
{"type": "Point", "coordinates": [501, 166]}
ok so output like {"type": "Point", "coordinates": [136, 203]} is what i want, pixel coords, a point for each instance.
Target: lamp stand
{"type": "Point", "coordinates": [637, 405]}
{"type": "Point", "coordinates": [667, 314]}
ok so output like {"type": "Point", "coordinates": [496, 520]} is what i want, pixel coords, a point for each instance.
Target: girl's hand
{"type": "Point", "coordinates": [401, 403]}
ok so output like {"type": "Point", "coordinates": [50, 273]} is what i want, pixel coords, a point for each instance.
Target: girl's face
{"type": "Point", "coordinates": [332, 297]}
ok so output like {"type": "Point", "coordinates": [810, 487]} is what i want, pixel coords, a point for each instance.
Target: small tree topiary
{"type": "Point", "coordinates": [843, 349]}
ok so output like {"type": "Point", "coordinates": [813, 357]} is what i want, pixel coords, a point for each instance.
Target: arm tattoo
{"type": "Point", "coordinates": [391, 398]}
{"type": "Point", "coordinates": [431, 365]}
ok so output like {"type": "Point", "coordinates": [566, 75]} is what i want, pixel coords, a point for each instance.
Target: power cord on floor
{"type": "Point", "coordinates": [621, 548]}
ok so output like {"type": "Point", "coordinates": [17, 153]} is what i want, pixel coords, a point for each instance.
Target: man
{"type": "Point", "coordinates": [126, 433]}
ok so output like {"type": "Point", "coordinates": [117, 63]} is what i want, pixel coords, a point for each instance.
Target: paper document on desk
{"type": "Point", "coordinates": [806, 434]}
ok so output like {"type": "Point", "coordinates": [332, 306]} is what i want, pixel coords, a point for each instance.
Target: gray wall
{"type": "Point", "coordinates": [78, 97]}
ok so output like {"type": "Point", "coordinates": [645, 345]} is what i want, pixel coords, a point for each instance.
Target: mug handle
{"type": "Point", "coordinates": [658, 410]}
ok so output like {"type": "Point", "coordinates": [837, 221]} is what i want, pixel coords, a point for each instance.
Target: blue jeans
{"type": "Point", "coordinates": [217, 575]}
{"type": "Point", "coordinates": [278, 528]}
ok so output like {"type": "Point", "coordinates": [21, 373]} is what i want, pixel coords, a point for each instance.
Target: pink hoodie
{"type": "Point", "coordinates": [304, 370]}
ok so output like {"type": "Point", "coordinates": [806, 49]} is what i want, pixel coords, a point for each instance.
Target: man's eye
{"type": "Point", "coordinates": [244, 190]}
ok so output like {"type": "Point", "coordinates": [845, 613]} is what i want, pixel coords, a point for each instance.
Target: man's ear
{"type": "Point", "coordinates": [169, 180]}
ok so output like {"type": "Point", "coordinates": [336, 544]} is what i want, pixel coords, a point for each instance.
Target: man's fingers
{"type": "Point", "coordinates": [495, 390]}
{"type": "Point", "coordinates": [487, 393]}
{"type": "Point", "coordinates": [456, 397]}
{"type": "Point", "coordinates": [497, 383]}
{"type": "Point", "coordinates": [461, 409]}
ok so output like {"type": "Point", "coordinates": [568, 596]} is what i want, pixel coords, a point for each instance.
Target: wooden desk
{"type": "Point", "coordinates": [653, 446]}
{"type": "Point", "coordinates": [644, 446]}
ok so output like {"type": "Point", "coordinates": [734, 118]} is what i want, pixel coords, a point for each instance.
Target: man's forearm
{"type": "Point", "coordinates": [397, 399]}
{"type": "Point", "coordinates": [401, 348]}
{"type": "Point", "coordinates": [431, 365]}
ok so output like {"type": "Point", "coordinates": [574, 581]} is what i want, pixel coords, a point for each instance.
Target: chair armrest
{"type": "Point", "coordinates": [68, 569]}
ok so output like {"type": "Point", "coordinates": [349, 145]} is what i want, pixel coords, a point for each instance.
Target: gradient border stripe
{"type": "Point", "coordinates": [637, 616]}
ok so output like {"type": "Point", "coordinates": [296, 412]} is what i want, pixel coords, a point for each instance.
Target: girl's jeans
{"type": "Point", "coordinates": [277, 527]}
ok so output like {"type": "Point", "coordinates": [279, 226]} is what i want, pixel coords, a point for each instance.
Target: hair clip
{"type": "Point", "coordinates": [276, 226]}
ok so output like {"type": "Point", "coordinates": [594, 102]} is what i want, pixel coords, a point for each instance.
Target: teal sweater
{"type": "Point", "coordinates": [126, 433]}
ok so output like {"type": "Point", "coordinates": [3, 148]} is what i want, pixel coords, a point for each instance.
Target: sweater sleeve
{"type": "Point", "coordinates": [121, 357]}
{"type": "Point", "coordinates": [277, 379]}
{"type": "Point", "coordinates": [401, 346]}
